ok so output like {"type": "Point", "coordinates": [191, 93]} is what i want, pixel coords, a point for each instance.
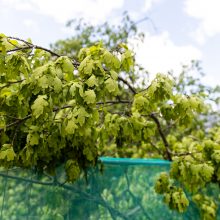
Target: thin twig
{"type": "Point", "coordinates": [145, 19]}
{"type": "Point", "coordinates": [15, 135]}
{"type": "Point", "coordinates": [155, 147]}
{"type": "Point", "coordinates": [13, 82]}
{"type": "Point", "coordinates": [114, 102]}
{"type": "Point", "coordinates": [20, 48]}
{"type": "Point", "coordinates": [30, 45]}
{"type": "Point", "coordinates": [168, 152]}
{"type": "Point", "coordinates": [184, 153]}
{"type": "Point", "coordinates": [128, 84]}
{"type": "Point", "coordinates": [16, 122]}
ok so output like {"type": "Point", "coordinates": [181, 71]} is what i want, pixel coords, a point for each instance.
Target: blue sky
{"type": "Point", "coordinates": [185, 29]}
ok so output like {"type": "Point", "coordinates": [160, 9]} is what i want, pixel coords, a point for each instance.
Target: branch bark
{"type": "Point", "coordinates": [115, 102]}
{"type": "Point", "coordinates": [18, 121]}
{"type": "Point", "coordinates": [128, 84]}
{"type": "Point", "coordinates": [10, 83]}
{"type": "Point", "coordinates": [168, 152]}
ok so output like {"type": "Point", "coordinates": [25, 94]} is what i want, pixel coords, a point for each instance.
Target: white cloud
{"type": "Point", "coordinates": [61, 11]}
{"type": "Point", "coordinates": [19, 4]}
{"type": "Point", "coordinates": [148, 4]}
{"type": "Point", "coordinates": [31, 24]}
{"type": "Point", "coordinates": [207, 13]}
{"type": "Point", "coordinates": [159, 54]}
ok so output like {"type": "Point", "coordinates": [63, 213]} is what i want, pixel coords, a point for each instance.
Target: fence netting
{"type": "Point", "coordinates": [117, 189]}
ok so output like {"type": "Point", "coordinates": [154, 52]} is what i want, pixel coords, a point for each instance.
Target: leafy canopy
{"type": "Point", "coordinates": [73, 108]}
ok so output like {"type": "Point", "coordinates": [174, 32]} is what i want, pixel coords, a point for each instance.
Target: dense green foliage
{"type": "Point", "coordinates": [85, 98]}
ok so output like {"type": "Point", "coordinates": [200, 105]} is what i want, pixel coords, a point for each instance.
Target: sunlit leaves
{"type": "Point", "coordinates": [176, 199]}
{"type": "Point", "coordinates": [160, 88]}
{"type": "Point", "coordinates": [162, 184]}
{"type": "Point", "coordinates": [39, 105]}
{"type": "Point", "coordinates": [57, 85]}
{"type": "Point", "coordinates": [111, 86]}
{"type": "Point", "coordinates": [81, 115]}
{"type": "Point", "coordinates": [7, 152]}
{"type": "Point", "coordinates": [90, 97]}
{"type": "Point", "coordinates": [65, 64]}
{"type": "Point", "coordinates": [111, 60]}
{"type": "Point", "coordinates": [92, 81]}
{"type": "Point", "coordinates": [6, 44]}
{"type": "Point", "coordinates": [127, 60]}
{"type": "Point", "coordinates": [17, 65]}
{"type": "Point", "coordinates": [207, 206]}
{"type": "Point", "coordinates": [173, 196]}
{"type": "Point", "coordinates": [192, 175]}
{"type": "Point", "coordinates": [140, 102]}
{"type": "Point", "coordinates": [71, 126]}
{"type": "Point", "coordinates": [86, 67]}
{"type": "Point", "coordinates": [33, 138]}
{"type": "Point", "coordinates": [54, 112]}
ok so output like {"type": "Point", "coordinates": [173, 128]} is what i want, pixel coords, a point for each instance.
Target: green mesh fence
{"type": "Point", "coordinates": [118, 189]}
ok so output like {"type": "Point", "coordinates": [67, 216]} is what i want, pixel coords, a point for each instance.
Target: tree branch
{"type": "Point", "coordinates": [75, 62]}
{"type": "Point", "coordinates": [128, 84]}
{"type": "Point", "coordinates": [168, 152]}
{"type": "Point", "coordinates": [18, 121]}
{"type": "Point", "coordinates": [20, 48]}
{"type": "Point", "coordinates": [31, 46]}
{"type": "Point", "coordinates": [155, 147]}
{"type": "Point", "coordinates": [115, 102]}
{"type": "Point", "coordinates": [9, 83]}
{"type": "Point", "coordinates": [185, 153]}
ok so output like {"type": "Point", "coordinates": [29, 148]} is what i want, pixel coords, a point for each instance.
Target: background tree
{"type": "Point", "coordinates": [87, 98]}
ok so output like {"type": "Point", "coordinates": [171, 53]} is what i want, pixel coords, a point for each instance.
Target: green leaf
{"type": "Point", "coordinates": [71, 126]}
{"type": "Point", "coordinates": [141, 103]}
{"type": "Point", "coordinates": [5, 92]}
{"type": "Point", "coordinates": [92, 81]}
{"type": "Point", "coordinates": [162, 184]}
{"type": "Point", "coordinates": [72, 170]}
{"type": "Point", "coordinates": [113, 74]}
{"type": "Point", "coordinates": [116, 62]}
{"type": "Point", "coordinates": [7, 152]}
{"type": "Point", "coordinates": [39, 105]}
{"type": "Point", "coordinates": [81, 115]}
{"type": "Point", "coordinates": [216, 156]}
{"type": "Point", "coordinates": [90, 97]}
{"type": "Point", "coordinates": [110, 60]}
{"type": "Point", "coordinates": [127, 60]}
{"type": "Point", "coordinates": [57, 85]}
{"type": "Point", "coordinates": [111, 85]}
{"type": "Point", "coordinates": [43, 82]}
{"type": "Point", "coordinates": [86, 66]}
{"type": "Point", "coordinates": [67, 65]}
{"type": "Point", "coordinates": [88, 153]}
{"type": "Point", "coordinates": [33, 139]}
{"type": "Point", "coordinates": [107, 57]}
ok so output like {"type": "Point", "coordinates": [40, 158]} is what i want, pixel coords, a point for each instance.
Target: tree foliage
{"type": "Point", "coordinates": [87, 98]}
